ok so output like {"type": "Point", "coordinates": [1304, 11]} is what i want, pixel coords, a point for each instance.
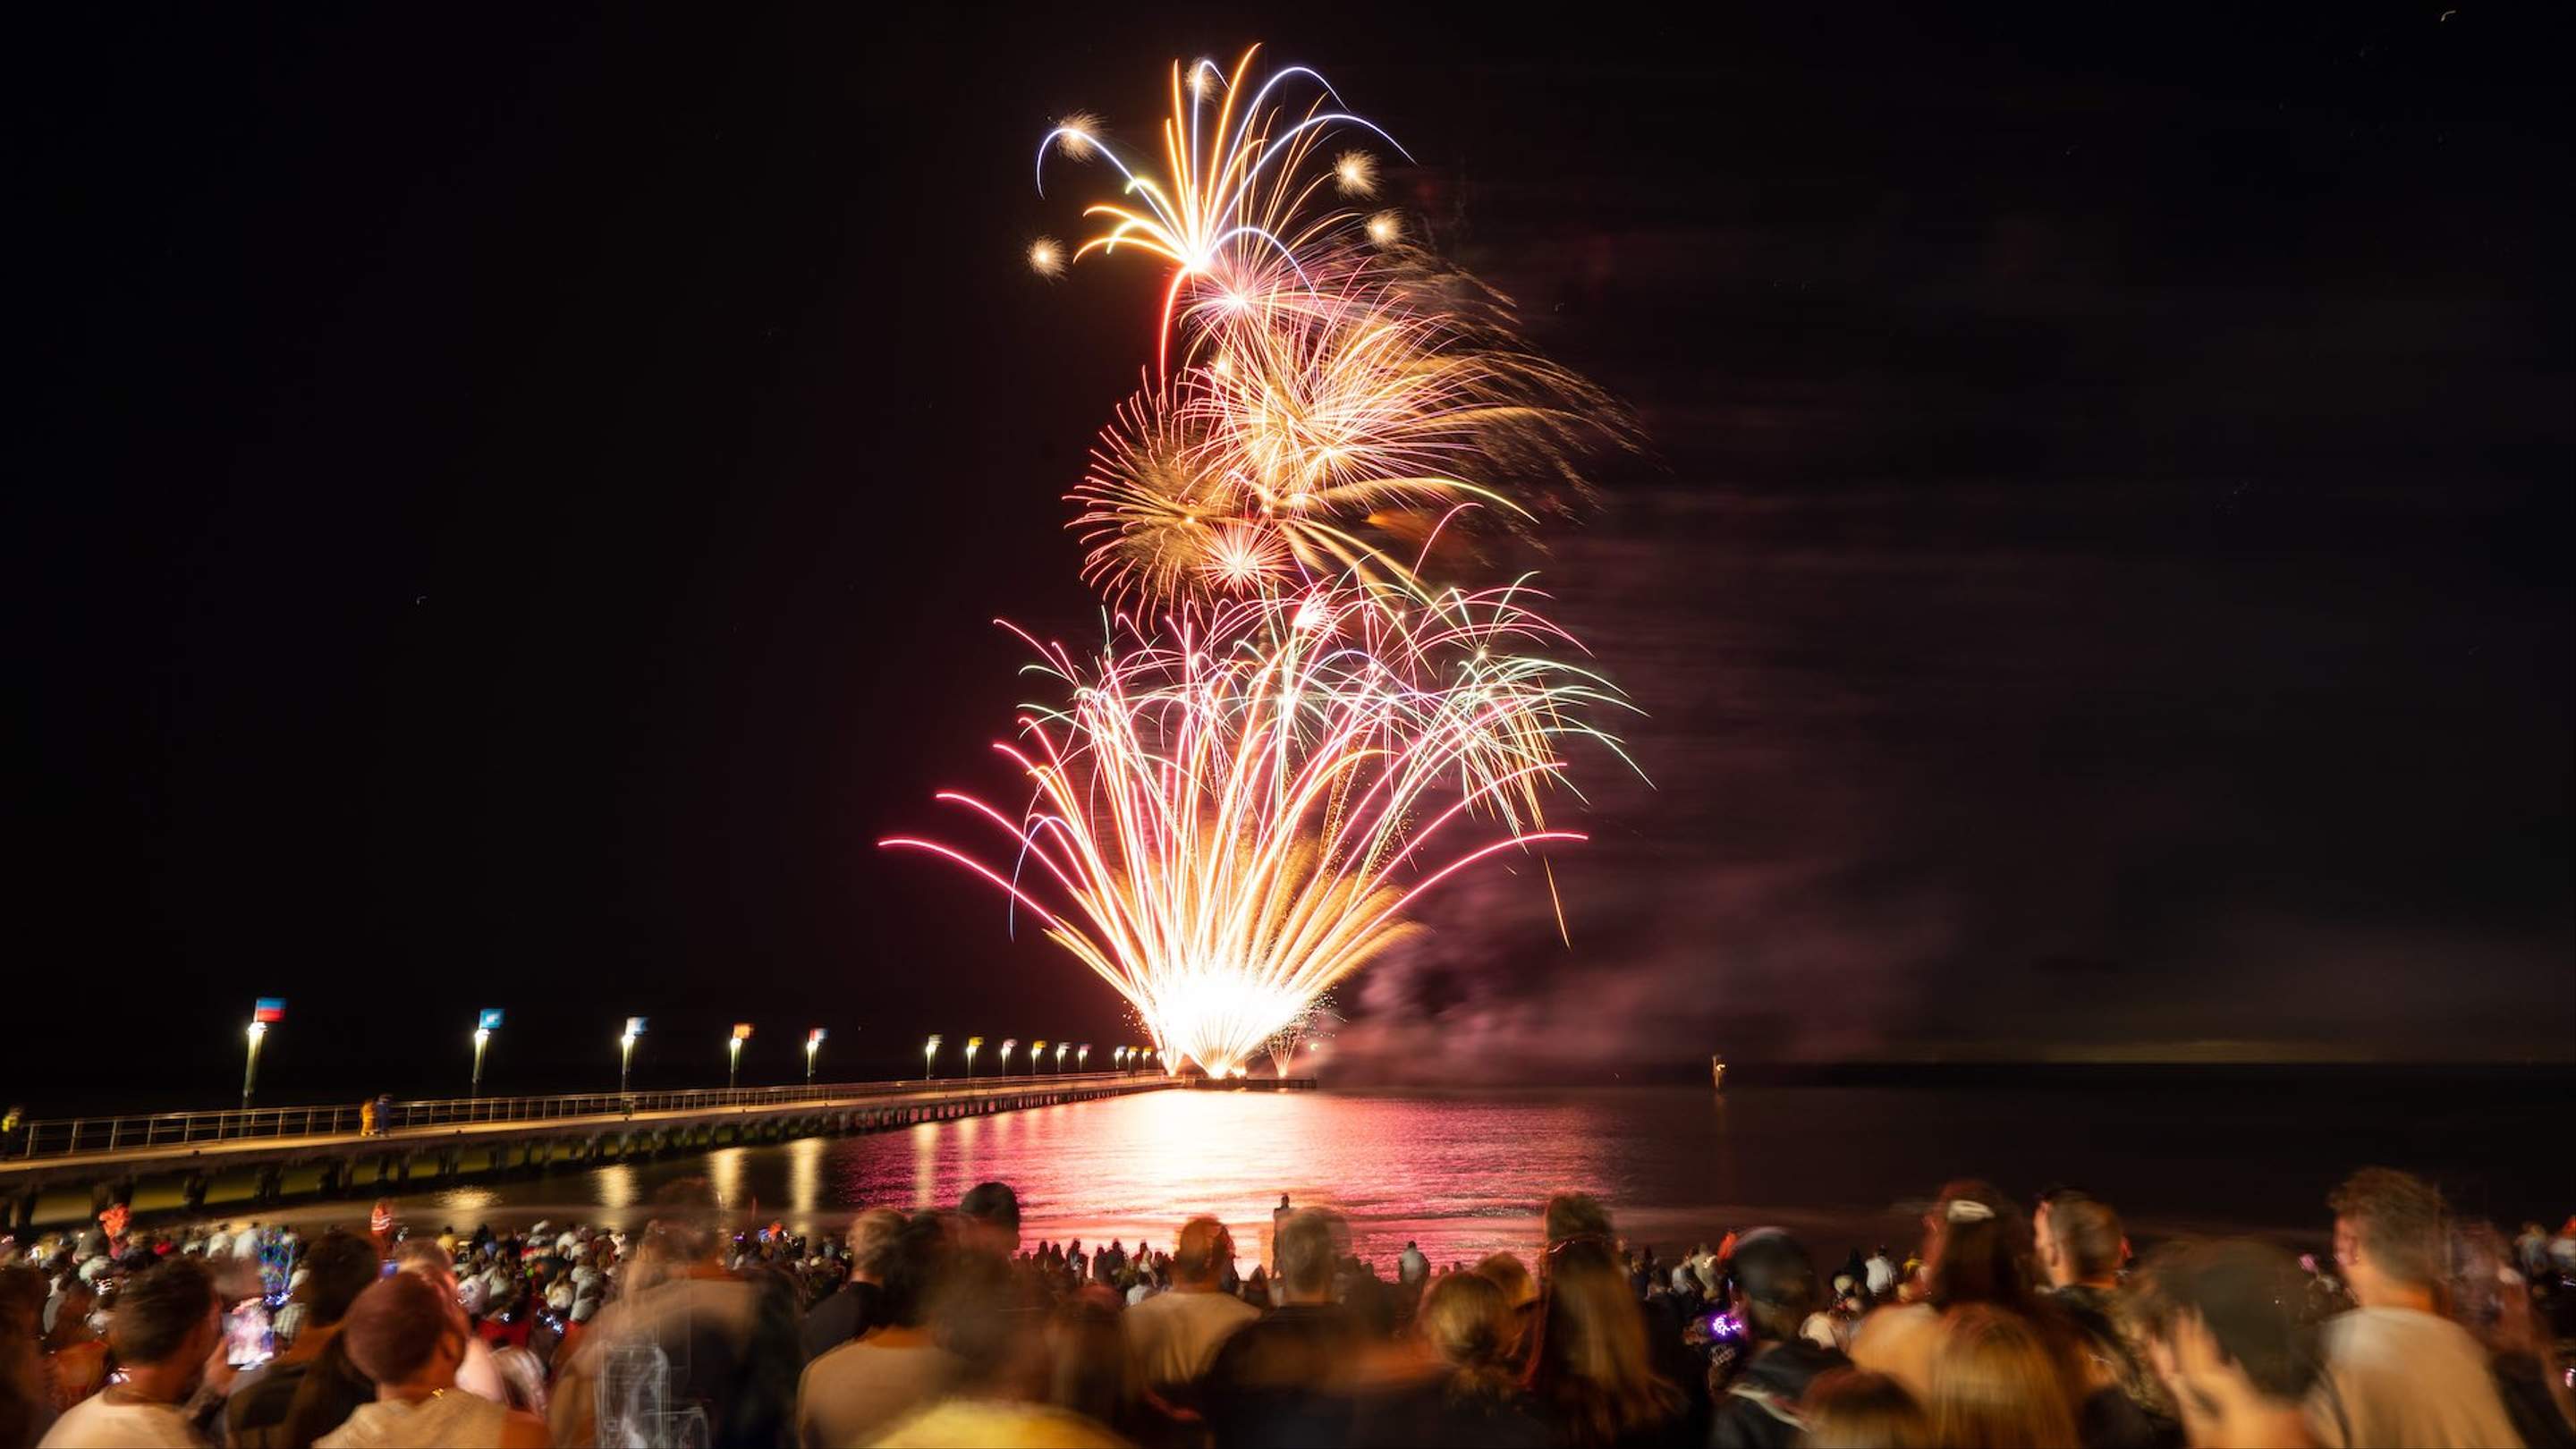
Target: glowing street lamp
{"type": "Point", "coordinates": [813, 1044]}
{"type": "Point", "coordinates": [1060, 1049]}
{"type": "Point", "coordinates": [929, 1057]}
{"type": "Point", "coordinates": [484, 1025]}
{"type": "Point", "coordinates": [265, 1010]}
{"type": "Point", "coordinates": [972, 1043]}
{"type": "Point", "coordinates": [733, 1052]}
{"type": "Point", "coordinates": [626, 1050]}
{"type": "Point", "coordinates": [1007, 1044]}
{"type": "Point", "coordinates": [1037, 1056]}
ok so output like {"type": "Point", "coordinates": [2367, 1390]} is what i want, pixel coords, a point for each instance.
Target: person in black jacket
{"type": "Point", "coordinates": [1775, 1290]}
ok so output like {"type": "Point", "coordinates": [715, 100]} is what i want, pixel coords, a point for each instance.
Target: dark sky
{"type": "Point", "coordinates": [513, 506]}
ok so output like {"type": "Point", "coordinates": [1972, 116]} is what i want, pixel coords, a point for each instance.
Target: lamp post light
{"type": "Point", "coordinates": [250, 1062]}
{"type": "Point", "coordinates": [930, 1057]}
{"type": "Point", "coordinates": [1037, 1056]}
{"type": "Point", "coordinates": [485, 1023]}
{"type": "Point", "coordinates": [1118, 1060]}
{"type": "Point", "coordinates": [733, 1052]}
{"type": "Point", "coordinates": [972, 1043]}
{"type": "Point", "coordinates": [625, 1056]}
{"type": "Point", "coordinates": [813, 1044]}
{"type": "Point", "coordinates": [1060, 1049]}
{"type": "Point", "coordinates": [1007, 1044]}
{"type": "Point", "coordinates": [1082, 1056]}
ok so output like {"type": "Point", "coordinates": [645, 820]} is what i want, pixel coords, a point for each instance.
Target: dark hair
{"type": "Point", "coordinates": [1305, 1251]}
{"type": "Point", "coordinates": [160, 1309]}
{"type": "Point", "coordinates": [396, 1327]}
{"type": "Point", "coordinates": [992, 1202]}
{"type": "Point", "coordinates": [2254, 1300]}
{"type": "Point", "coordinates": [1850, 1408]}
{"type": "Point", "coordinates": [1778, 1280]}
{"type": "Point", "coordinates": [1570, 1215]}
{"type": "Point", "coordinates": [2400, 1219]}
{"type": "Point", "coordinates": [910, 1267]}
{"type": "Point", "coordinates": [1465, 1319]}
{"type": "Point", "coordinates": [1201, 1250]}
{"type": "Point", "coordinates": [341, 1266]}
{"type": "Point", "coordinates": [1980, 1257]}
{"type": "Point", "coordinates": [2086, 1233]}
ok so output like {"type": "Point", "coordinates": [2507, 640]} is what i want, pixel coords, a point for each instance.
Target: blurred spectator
{"type": "Point", "coordinates": [1974, 1245]}
{"type": "Point", "coordinates": [1880, 1275]}
{"type": "Point", "coordinates": [165, 1331]}
{"type": "Point", "coordinates": [1173, 1337]}
{"type": "Point", "coordinates": [2000, 1380]}
{"type": "Point", "coordinates": [1469, 1395]}
{"type": "Point", "coordinates": [75, 1353]}
{"type": "Point", "coordinates": [989, 1219]}
{"type": "Point", "coordinates": [2081, 1248]}
{"type": "Point", "coordinates": [337, 1268]}
{"type": "Point", "coordinates": [409, 1340]}
{"type": "Point", "coordinates": [1411, 1268]}
{"type": "Point", "coordinates": [994, 1398]}
{"type": "Point", "coordinates": [478, 1375]}
{"type": "Point", "coordinates": [857, 1390]}
{"type": "Point", "coordinates": [2397, 1372]}
{"type": "Point", "coordinates": [1591, 1366]}
{"type": "Point", "coordinates": [2493, 1302]}
{"type": "Point", "coordinates": [1520, 1301]}
{"type": "Point", "coordinates": [1852, 1408]}
{"type": "Point", "coordinates": [1775, 1291]}
{"type": "Point", "coordinates": [858, 1305]}
{"type": "Point", "coordinates": [26, 1389]}
{"type": "Point", "coordinates": [1284, 1378]}
{"type": "Point", "coordinates": [2231, 1333]}
{"type": "Point", "coordinates": [728, 1346]}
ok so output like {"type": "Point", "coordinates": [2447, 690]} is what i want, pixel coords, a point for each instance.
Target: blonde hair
{"type": "Point", "coordinates": [1465, 1320]}
{"type": "Point", "coordinates": [1999, 1381]}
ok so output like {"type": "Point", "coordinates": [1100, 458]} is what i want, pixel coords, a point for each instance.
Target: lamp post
{"type": "Point", "coordinates": [1082, 1056]}
{"type": "Point", "coordinates": [1060, 1049]}
{"type": "Point", "coordinates": [1118, 1059]}
{"type": "Point", "coordinates": [972, 1043]}
{"type": "Point", "coordinates": [733, 1052]}
{"type": "Point", "coordinates": [813, 1044]}
{"type": "Point", "coordinates": [250, 1061]}
{"type": "Point", "coordinates": [1037, 1056]}
{"type": "Point", "coordinates": [1007, 1044]}
{"type": "Point", "coordinates": [626, 1050]}
{"type": "Point", "coordinates": [929, 1057]}
{"type": "Point", "coordinates": [485, 1023]}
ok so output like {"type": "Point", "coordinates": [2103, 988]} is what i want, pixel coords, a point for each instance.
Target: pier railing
{"type": "Point", "coordinates": [73, 1136]}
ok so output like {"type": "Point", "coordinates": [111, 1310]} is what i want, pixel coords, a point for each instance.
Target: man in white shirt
{"type": "Point", "coordinates": [165, 1330]}
{"type": "Point", "coordinates": [2396, 1371]}
{"type": "Point", "coordinates": [1173, 1337]}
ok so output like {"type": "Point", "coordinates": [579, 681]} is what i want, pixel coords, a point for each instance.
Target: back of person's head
{"type": "Point", "coordinates": [872, 1236]}
{"type": "Point", "coordinates": [1853, 1408]}
{"type": "Point", "coordinates": [993, 1205]}
{"type": "Point", "coordinates": [2399, 1220]}
{"type": "Point", "coordinates": [159, 1310]}
{"type": "Point", "coordinates": [2253, 1300]}
{"type": "Point", "coordinates": [969, 1309]}
{"type": "Point", "coordinates": [397, 1327]}
{"type": "Point", "coordinates": [2086, 1235]}
{"type": "Point", "coordinates": [425, 1257]}
{"type": "Point", "coordinates": [1979, 1242]}
{"type": "Point", "coordinates": [1306, 1251]}
{"type": "Point", "coordinates": [1999, 1381]}
{"type": "Point", "coordinates": [1591, 1363]}
{"type": "Point", "coordinates": [1509, 1273]}
{"type": "Point", "coordinates": [1089, 1360]}
{"type": "Point", "coordinates": [1205, 1247]}
{"type": "Point", "coordinates": [342, 1266]}
{"type": "Point", "coordinates": [908, 1269]}
{"type": "Point", "coordinates": [688, 1222]}
{"type": "Point", "coordinates": [1572, 1215]}
{"type": "Point", "coordinates": [1465, 1320]}
{"type": "Point", "coordinates": [1778, 1281]}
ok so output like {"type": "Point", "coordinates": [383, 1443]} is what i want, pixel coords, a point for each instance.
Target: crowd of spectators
{"type": "Point", "coordinates": [1999, 1327]}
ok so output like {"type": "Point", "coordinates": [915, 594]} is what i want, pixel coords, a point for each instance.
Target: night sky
{"type": "Point", "coordinates": [514, 504]}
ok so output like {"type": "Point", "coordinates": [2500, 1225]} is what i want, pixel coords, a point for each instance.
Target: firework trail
{"type": "Point", "coordinates": [1292, 731]}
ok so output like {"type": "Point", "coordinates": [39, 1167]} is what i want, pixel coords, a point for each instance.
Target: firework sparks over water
{"type": "Point", "coordinates": [1294, 730]}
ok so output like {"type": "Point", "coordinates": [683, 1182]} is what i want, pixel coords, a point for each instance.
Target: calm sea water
{"type": "Point", "coordinates": [1464, 1172]}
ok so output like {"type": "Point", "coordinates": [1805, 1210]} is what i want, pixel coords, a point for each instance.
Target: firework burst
{"type": "Point", "coordinates": [1225, 825]}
